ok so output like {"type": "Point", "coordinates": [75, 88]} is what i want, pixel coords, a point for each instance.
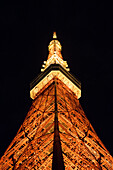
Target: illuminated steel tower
{"type": "Point", "coordinates": [56, 134]}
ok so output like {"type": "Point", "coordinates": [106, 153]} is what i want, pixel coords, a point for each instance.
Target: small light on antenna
{"type": "Point", "coordinates": [54, 35]}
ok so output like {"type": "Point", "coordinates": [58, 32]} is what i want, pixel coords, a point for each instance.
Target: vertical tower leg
{"type": "Point", "coordinates": [58, 163]}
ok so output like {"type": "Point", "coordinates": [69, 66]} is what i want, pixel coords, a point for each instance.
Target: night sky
{"type": "Point", "coordinates": [85, 30]}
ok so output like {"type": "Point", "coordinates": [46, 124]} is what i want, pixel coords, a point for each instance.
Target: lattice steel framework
{"type": "Point", "coordinates": [56, 134]}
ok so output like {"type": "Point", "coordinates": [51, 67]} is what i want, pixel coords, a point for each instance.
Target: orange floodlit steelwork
{"type": "Point", "coordinates": [56, 133]}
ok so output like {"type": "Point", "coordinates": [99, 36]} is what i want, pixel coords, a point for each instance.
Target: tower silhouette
{"type": "Point", "coordinates": [56, 133]}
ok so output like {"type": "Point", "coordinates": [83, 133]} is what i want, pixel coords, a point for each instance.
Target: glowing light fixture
{"type": "Point", "coordinates": [54, 35]}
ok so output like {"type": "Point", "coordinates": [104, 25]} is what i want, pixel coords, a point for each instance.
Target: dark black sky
{"type": "Point", "coordinates": [85, 30]}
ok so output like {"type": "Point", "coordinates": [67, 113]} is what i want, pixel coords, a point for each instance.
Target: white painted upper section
{"type": "Point", "coordinates": [55, 56]}
{"type": "Point", "coordinates": [50, 76]}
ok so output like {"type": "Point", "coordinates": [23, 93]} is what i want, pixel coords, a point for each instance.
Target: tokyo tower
{"type": "Point", "coordinates": [56, 133]}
